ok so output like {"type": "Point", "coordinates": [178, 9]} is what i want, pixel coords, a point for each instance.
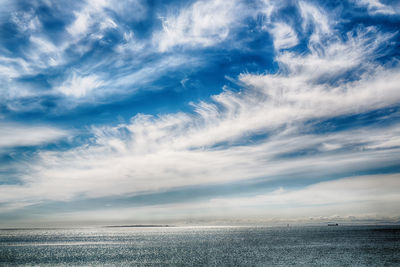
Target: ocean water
{"type": "Point", "coordinates": [203, 246]}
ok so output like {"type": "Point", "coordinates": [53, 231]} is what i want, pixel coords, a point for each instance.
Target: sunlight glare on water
{"type": "Point", "coordinates": [202, 246]}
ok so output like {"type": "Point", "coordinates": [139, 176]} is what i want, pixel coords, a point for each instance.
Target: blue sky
{"type": "Point", "coordinates": [199, 111]}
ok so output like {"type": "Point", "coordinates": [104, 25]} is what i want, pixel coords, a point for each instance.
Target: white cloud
{"type": "Point", "coordinates": [90, 14]}
{"type": "Point", "coordinates": [80, 25]}
{"type": "Point", "coordinates": [44, 53]}
{"type": "Point", "coordinates": [148, 156]}
{"type": "Point", "coordinates": [358, 197]}
{"type": "Point", "coordinates": [342, 191]}
{"type": "Point", "coordinates": [316, 18]}
{"type": "Point", "coordinates": [204, 23]}
{"type": "Point", "coordinates": [347, 199]}
{"type": "Point", "coordinates": [376, 7]}
{"type": "Point", "coordinates": [336, 57]}
{"type": "Point", "coordinates": [79, 86]}
{"type": "Point", "coordinates": [12, 68]}
{"type": "Point", "coordinates": [161, 152]}
{"type": "Point", "coordinates": [108, 23]}
{"type": "Point", "coordinates": [14, 135]}
{"type": "Point", "coordinates": [133, 10]}
{"type": "Point", "coordinates": [94, 12]}
{"type": "Point", "coordinates": [151, 71]}
{"type": "Point", "coordinates": [282, 33]}
{"type": "Point", "coordinates": [268, 8]}
{"type": "Point", "coordinates": [26, 21]}
{"type": "Point", "coordinates": [284, 36]}
{"type": "Point", "coordinates": [365, 199]}
{"type": "Point", "coordinates": [157, 153]}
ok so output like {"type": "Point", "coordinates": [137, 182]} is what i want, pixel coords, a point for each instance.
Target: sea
{"type": "Point", "coordinates": [202, 246]}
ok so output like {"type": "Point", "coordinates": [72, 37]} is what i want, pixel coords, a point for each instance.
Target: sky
{"type": "Point", "coordinates": [199, 112]}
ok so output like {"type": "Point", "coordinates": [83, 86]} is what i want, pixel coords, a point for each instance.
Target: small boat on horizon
{"type": "Point", "coordinates": [333, 224]}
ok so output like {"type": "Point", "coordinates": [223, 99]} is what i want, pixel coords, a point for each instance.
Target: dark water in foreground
{"type": "Point", "coordinates": [218, 246]}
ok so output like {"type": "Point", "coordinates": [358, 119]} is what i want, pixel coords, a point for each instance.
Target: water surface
{"type": "Point", "coordinates": [202, 246]}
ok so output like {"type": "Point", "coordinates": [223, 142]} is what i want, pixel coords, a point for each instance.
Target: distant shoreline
{"type": "Point", "coordinates": [138, 226]}
{"type": "Point", "coordinates": [395, 224]}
